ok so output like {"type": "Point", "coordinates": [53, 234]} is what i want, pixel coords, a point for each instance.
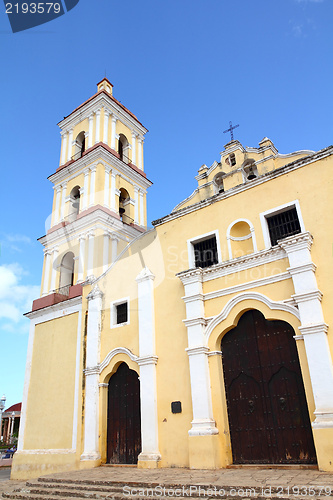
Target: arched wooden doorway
{"type": "Point", "coordinates": [267, 409]}
{"type": "Point", "coordinates": [124, 420]}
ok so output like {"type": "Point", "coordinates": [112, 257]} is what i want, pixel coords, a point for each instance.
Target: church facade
{"type": "Point", "coordinates": [200, 343]}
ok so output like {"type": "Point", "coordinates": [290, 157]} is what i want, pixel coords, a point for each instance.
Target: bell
{"type": "Point", "coordinates": [251, 174]}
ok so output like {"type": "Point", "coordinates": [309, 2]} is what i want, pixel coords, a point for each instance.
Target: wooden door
{"type": "Point", "coordinates": [124, 420]}
{"type": "Point", "coordinates": [267, 409]}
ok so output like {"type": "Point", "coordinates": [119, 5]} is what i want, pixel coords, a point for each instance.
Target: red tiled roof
{"type": "Point", "coordinates": [111, 97]}
{"type": "Point", "coordinates": [16, 407]}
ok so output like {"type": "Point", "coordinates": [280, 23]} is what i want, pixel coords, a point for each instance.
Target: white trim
{"type": "Point", "coordinates": [246, 286]}
{"type": "Point", "coordinates": [197, 239]}
{"type": "Point", "coordinates": [113, 312]}
{"type": "Point", "coordinates": [60, 451]}
{"type": "Point", "coordinates": [277, 210]}
{"type": "Point", "coordinates": [37, 317]}
{"type": "Point", "coordinates": [272, 304]}
{"type": "Point", "coordinates": [113, 353]}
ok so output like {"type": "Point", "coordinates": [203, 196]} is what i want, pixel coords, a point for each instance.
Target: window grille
{"type": "Point", "coordinates": [283, 225]}
{"type": "Point", "coordinates": [205, 252]}
{"type": "Point", "coordinates": [121, 313]}
{"type": "Point", "coordinates": [232, 159]}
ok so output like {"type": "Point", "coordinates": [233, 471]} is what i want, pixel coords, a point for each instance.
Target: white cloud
{"type": "Point", "coordinates": [15, 298]}
{"type": "Point", "coordinates": [15, 242]}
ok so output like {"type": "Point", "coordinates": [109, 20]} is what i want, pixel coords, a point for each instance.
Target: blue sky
{"type": "Point", "coordinates": [185, 68]}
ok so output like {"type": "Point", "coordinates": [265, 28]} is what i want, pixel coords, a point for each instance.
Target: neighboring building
{"type": "Point", "coordinates": [10, 424]}
{"type": "Point", "coordinates": [200, 343]}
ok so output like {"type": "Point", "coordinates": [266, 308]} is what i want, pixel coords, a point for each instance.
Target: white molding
{"type": "Point", "coordinates": [285, 169]}
{"type": "Point", "coordinates": [38, 317]}
{"type": "Point", "coordinates": [259, 297]}
{"type": "Point", "coordinates": [248, 285]}
{"type": "Point", "coordinates": [202, 237]}
{"type": "Point", "coordinates": [113, 312]}
{"type": "Point", "coordinates": [94, 104]}
{"type": "Point", "coordinates": [276, 210]}
{"type": "Point", "coordinates": [46, 451]}
{"type": "Point", "coordinates": [235, 265]}
{"type": "Point", "coordinates": [111, 354]}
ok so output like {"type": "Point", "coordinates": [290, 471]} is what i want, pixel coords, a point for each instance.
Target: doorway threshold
{"type": "Point", "coordinates": [120, 465]}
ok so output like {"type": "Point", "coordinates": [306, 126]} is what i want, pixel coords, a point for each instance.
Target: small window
{"type": "Point", "coordinates": [283, 224]}
{"type": "Point", "coordinates": [119, 313]}
{"type": "Point", "coordinates": [121, 310]}
{"type": "Point", "coordinates": [205, 252]}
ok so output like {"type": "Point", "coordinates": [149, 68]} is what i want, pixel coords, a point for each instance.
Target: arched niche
{"type": "Point", "coordinates": [124, 206]}
{"type": "Point", "coordinates": [123, 147]}
{"type": "Point", "coordinates": [218, 183]}
{"type": "Point", "coordinates": [74, 207]}
{"type": "Point", "coordinates": [66, 272]}
{"type": "Point", "coordinates": [241, 238]}
{"type": "Point", "coordinates": [80, 145]}
{"type": "Point", "coordinates": [250, 171]}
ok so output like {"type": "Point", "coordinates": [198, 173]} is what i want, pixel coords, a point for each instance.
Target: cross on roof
{"type": "Point", "coordinates": [231, 130]}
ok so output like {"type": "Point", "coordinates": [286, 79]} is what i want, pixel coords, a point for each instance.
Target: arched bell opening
{"type": "Point", "coordinates": [123, 146]}
{"type": "Point", "coordinates": [124, 206]}
{"type": "Point", "coordinates": [66, 273]}
{"type": "Point", "coordinates": [80, 145]}
{"type": "Point", "coordinates": [74, 203]}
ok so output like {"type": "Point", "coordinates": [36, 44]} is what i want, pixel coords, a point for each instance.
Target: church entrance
{"type": "Point", "coordinates": [124, 420]}
{"type": "Point", "coordinates": [267, 409]}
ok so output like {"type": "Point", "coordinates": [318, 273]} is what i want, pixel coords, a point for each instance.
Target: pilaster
{"type": "Point", "coordinates": [150, 455]}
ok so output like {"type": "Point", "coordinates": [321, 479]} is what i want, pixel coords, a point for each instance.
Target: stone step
{"type": "Point", "coordinates": [66, 489]}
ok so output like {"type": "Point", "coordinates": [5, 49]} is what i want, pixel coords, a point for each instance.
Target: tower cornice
{"type": "Point", "coordinates": [101, 153]}
{"type": "Point", "coordinates": [105, 100]}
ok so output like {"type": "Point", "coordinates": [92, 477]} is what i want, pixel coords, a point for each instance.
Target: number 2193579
{"type": "Point", "coordinates": [33, 8]}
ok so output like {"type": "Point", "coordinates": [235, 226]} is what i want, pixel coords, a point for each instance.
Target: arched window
{"type": "Point", "coordinates": [75, 203]}
{"type": "Point", "coordinates": [80, 145]}
{"type": "Point", "coordinates": [250, 170]}
{"type": "Point", "coordinates": [241, 238]}
{"type": "Point", "coordinates": [124, 206]}
{"type": "Point", "coordinates": [66, 272]}
{"type": "Point", "coordinates": [218, 183]}
{"type": "Point", "coordinates": [123, 145]}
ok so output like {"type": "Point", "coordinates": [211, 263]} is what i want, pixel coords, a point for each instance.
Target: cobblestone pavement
{"type": "Point", "coordinates": [234, 477]}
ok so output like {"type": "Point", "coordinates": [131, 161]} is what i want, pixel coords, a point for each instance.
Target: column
{"type": "Point", "coordinates": [57, 205]}
{"type": "Point", "coordinates": [133, 148]}
{"type": "Point", "coordinates": [12, 428]}
{"type": "Point", "coordinates": [113, 192]}
{"type": "Point", "coordinates": [113, 132]}
{"type": "Point", "coordinates": [82, 243]}
{"type": "Point", "coordinates": [106, 187]}
{"type": "Point", "coordinates": [85, 190]}
{"type": "Point", "coordinates": [136, 205]}
{"type": "Point", "coordinates": [150, 454]}
{"type": "Point", "coordinates": [98, 126]}
{"type": "Point", "coordinates": [54, 269]}
{"type": "Point", "coordinates": [106, 126]}
{"type": "Point", "coordinates": [91, 407]}
{"type": "Point", "coordinates": [92, 185]}
{"type": "Point", "coordinates": [90, 266]}
{"type": "Point", "coordinates": [114, 248]}
{"type": "Point", "coordinates": [140, 142]}
{"type": "Point", "coordinates": [313, 328]}
{"type": "Point", "coordinates": [70, 141]}
{"type": "Point", "coordinates": [47, 254]}
{"type": "Point", "coordinates": [90, 135]}
{"type": "Point", "coordinates": [106, 239]}
{"type": "Point", "coordinates": [142, 219]}
{"type": "Point", "coordinates": [63, 201]}
{"type": "Point", "coordinates": [64, 146]}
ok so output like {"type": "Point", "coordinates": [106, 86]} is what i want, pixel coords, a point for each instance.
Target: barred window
{"type": "Point", "coordinates": [283, 224]}
{"type": "Point", "coordinates": [205, 252]}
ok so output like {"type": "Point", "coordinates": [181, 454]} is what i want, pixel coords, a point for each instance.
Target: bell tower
{"type": "Point", "coordinates": [99, 202]}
